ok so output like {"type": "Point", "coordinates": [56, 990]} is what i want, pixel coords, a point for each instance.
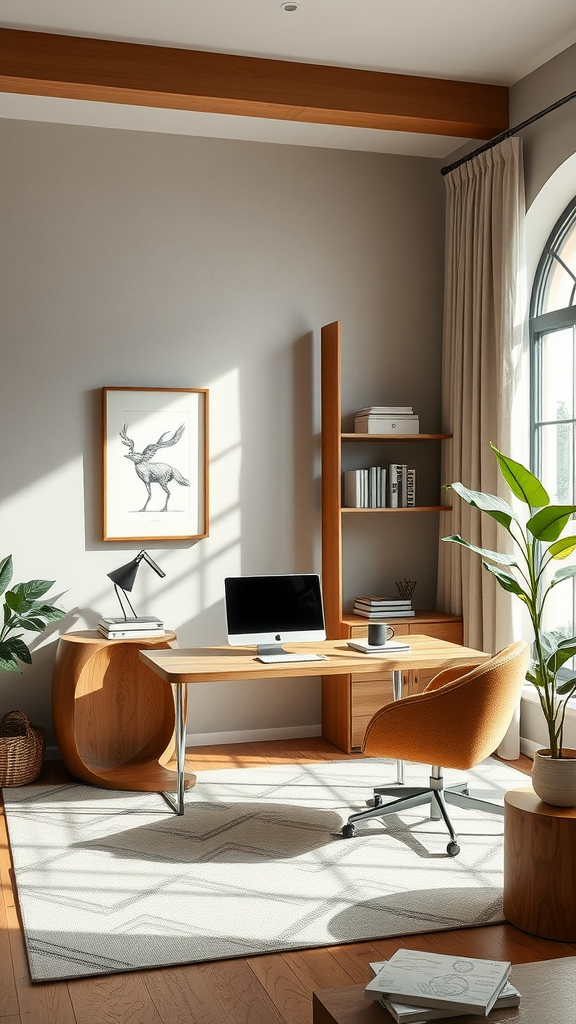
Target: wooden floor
{"type": "Point", "coordinates": [271, 989]}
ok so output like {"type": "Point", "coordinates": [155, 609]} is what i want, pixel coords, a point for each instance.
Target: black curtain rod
{"type": "Point", "coordinates": [506, 135]}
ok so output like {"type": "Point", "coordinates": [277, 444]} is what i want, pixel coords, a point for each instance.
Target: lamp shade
{"type": "Point", "coordinates": [124, 576]}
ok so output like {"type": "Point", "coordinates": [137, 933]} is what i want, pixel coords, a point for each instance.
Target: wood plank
{"type": "Point", "coordinates": [239, 994]}
{"type": "Point", "coordinates": [317, 968]}
{"type": "Point", "coordinates": [8, 997]}
{"type": "Point", "coordinates": [113, 998]}
{"type": "Point", "coordinates": [46, 64]}
{"type": "Point", "coordinates": [181, 996]}
{"type": "Point", "coordinates": [290, 996]}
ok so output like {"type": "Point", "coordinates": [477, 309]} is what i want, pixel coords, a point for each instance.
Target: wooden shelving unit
{"type": "Point", "coordinates": [348, 702]}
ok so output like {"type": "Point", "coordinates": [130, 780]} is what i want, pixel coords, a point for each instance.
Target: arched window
{"type": "Point", "coordinates": [553, 386]}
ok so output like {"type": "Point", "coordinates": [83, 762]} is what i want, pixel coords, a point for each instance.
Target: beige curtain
{"type": "Point", "coordinates": [483, 340]}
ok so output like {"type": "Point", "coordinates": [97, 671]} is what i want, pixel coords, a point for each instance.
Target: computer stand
{"type": "Point", "coordinates": [271, 649]}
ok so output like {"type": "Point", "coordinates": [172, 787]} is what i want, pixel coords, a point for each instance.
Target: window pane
{"type": "Point", "coordinates": [560, 290]}
{"type": "Point", "coordinates": [557, 453]}
{"type": "Point", "coordinates": [557, 398]}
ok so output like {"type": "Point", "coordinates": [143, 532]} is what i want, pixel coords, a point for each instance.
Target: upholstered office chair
{"type": "Point", "coordinates": [458, 720]}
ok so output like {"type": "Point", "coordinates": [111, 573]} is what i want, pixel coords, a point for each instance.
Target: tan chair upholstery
{"type": "Point", "coordinates": [459, 719]}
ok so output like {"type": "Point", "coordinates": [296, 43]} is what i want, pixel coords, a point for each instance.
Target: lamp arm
{"type": "Point", "coordinates": [144, 555]}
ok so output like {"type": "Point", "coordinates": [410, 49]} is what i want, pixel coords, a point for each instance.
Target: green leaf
{"type": "Point", "coordinates": [485, 552]}
{"type": "Point", "coordinates": [560, 657]}
{"type": "Point", "coordinates": [549, 522]}
{"type": "Point", "coordinates": [19, 649]}
{"type": "Point", "coordinates": [565, 573]}
{"type": "Point", "coordinates": [508, 582]}
{"type": "Point", "coordinates": [563, 547]}
{"type": "Point", "coordinates": [34, 588]}
{"type": "Point", "coordinates": [50, 612]}
{"type": "Point", "coordinates": [33, 624]}
{"type": "Point", "coordinates": [494, 506]}
{"type": "Point", "coordinates": [14, 600]}
{"type": "Point", "coordinates": [5, 572]}
{"type": "Point", "coordinates": [568, 687]}
{"type": "Point", "coordinates": [521, 481]}
{"type": "Point", "coordinates": [8, 662]}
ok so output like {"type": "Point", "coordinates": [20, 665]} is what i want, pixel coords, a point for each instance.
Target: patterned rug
{"type": "Point", "coordinates": [111, 881]}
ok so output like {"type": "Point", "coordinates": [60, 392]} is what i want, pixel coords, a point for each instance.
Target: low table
{"type": "Point", "coordinates": [547, 990]}
{"type": "Point", "coordinates": [540, 866]}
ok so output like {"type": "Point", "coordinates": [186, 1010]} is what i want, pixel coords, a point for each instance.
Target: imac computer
{"type": "Point", "coordinates": [271, 610]}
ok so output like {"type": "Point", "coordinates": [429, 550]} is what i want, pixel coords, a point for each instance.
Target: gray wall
{"type": "Point", "coordinates": [139, 259]}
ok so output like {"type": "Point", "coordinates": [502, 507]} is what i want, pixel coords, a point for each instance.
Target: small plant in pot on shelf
{"type": "Point", "coordinates": [538, 543]}
{"type": "Point", "coordinates": [21, 744]}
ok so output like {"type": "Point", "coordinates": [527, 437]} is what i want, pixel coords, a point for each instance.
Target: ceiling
{"type": "Point", "coordinates": [494, 42]}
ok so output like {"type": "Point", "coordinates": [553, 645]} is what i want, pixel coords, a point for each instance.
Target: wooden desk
{"type": "Point", "coordinates": [547, 993]}
{"type": "Point", "coordinates": [212, 664]}
{"type": "Point", "coordinates": [540, 866]}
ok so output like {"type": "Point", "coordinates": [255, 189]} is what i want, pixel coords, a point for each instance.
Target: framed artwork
{"type": "Point", "coordinates": [155, 463]}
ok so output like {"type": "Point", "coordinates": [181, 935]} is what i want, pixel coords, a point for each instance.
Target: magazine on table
{"type": "Point", "coordinates": [440, 981]}
{"type": "Point", "coordinates": [405, 1014]}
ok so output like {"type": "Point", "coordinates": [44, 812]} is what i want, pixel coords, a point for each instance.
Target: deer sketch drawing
{"type": "Point", "coordinates": [154, 472]}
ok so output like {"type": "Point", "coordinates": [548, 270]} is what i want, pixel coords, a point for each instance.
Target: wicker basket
{"type": "Point", "coordinates": [21, 749]}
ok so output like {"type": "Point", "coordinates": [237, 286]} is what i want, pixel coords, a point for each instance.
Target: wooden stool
{"type": "Point", "coordinates": [539, 866]}
{"type": "Point", "coordinates": [113, 716]}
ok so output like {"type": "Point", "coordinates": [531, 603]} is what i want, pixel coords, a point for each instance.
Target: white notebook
{"type": "Point", "coordinates": [390, 647]}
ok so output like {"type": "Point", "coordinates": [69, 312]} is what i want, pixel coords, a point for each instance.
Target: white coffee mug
{"type": "Point", "coordinates": [379, 633]}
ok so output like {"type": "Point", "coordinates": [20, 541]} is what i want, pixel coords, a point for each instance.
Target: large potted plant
{"type": "Point", "coordinates": [537, 544]}
{"type": "Point", "coordinates": [21, 744]}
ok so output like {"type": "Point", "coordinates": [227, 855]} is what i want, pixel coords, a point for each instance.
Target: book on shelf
{"type": "Point", "coordinates": [130, 634]}
{"type": "Point", "coordinates": [384, 613]}
{"type": "Point", "coordinates": [386, 410]}
{"type": "Point", "coordinates": [440, 981]}
{"type": "Point", "coordinates": [384, 602]}
{"type": "Point", "coordinates": [405, 1014]}
{"type": "Point", "coordinates": [410, 488]}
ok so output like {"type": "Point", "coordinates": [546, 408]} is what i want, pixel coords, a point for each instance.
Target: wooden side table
{"type": "Point", "coordinates": [547, 993]}
{"type": "Point", "coordinates": [539, 866]}
{"type": "Point", "coordinates": [113, 716]}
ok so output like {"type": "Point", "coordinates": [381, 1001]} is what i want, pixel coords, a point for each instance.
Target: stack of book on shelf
{"type": "Point", "coordinates": [364, 488]}
{"type": "Point", "coordinates": [415, 986]}
{"type": "Point", "coordinates": [386, 419]}
{"type": "Point", "coordinates": [401, 486]}
{"type": "Point", "coordinates": [377, 487]}
{"type": "Point", "coordinates": [137, 628]}
{"type": "Point", "coordinates": [383, 607]}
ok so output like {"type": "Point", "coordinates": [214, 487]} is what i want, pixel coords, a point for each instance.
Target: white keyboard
{"type": "Point", "coordinates": [272, 659]}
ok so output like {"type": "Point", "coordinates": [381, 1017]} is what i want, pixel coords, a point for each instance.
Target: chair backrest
{"type": "Point", "coordinates": [457, 724]}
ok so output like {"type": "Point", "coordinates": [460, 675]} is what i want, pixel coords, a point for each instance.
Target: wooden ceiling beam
{"type": "Point", "coordinates": [45, 64]}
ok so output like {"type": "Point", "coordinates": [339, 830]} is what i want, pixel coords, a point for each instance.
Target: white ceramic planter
{"type": "Point", "coordinates": [554, 779]}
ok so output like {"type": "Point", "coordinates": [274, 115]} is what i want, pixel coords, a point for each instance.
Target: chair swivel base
{"type": "Point", "coordinates": [413, 796]}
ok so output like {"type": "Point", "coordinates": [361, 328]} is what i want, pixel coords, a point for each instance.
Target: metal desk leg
{"type": "Point", "coordinates": [397, 694]}
{"type": "Point", "coordinates": [177, 804]}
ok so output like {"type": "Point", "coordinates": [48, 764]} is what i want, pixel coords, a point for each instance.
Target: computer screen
{"type": "Point", "coordinates": [270, 610]}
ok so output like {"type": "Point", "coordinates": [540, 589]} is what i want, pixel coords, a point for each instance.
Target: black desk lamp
{"type": "Point", "coordinates": [123, 578]}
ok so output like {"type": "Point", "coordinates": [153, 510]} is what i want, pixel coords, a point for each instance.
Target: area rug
{"type": "Point", "coordinates": [110, 881]}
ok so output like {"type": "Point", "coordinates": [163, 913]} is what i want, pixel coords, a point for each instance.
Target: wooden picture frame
{"type": "Point", "coordinates": [155, 463]}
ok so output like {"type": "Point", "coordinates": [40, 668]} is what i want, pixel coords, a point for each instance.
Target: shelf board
{"type": "Point", "coordinates": [422, 615]}
{"type": "Point", "coordinates": [403, 508]}
{"type": "Point", "coordinates": [396, 437]}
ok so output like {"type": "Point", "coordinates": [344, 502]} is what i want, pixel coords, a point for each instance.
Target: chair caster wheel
{"type": "Point", "coordinates": [348, 831]}
{"type": "Point", "coordinates": [452, 849]}
{"type": "Point", "coordinates": [375, 801]}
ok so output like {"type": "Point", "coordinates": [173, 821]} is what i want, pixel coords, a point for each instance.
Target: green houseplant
{"type": "Point", "coordinates": [21, 744]}
{"type": "Point", "coordinates": [537, 543]}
